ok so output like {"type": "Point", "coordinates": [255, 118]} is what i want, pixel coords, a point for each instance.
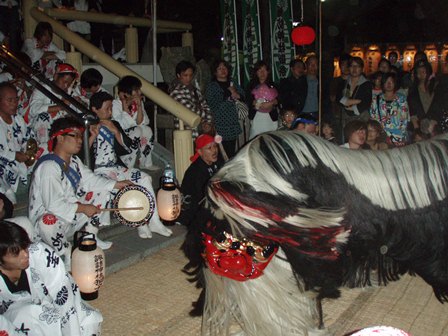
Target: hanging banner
{"type": "Point", "coordinates": [283, 50]}
{"type": "Point", "coordinates": [251, 37]}
{"type": "Point", "coordinates": [230, 37]}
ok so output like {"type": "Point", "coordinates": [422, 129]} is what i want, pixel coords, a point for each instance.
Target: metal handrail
{"type": "Point", "coordinates": [34, 77]}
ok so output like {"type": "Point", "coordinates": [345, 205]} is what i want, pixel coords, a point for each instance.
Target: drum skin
{"type": "Point", "coordinates": [131, 197]}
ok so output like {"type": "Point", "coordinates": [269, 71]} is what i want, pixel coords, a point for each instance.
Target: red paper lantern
{"type": "Point", "coordinates": [303, 35]}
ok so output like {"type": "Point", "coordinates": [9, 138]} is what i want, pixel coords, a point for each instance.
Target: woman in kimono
{"type": "Point", "coordinates": [129, 111]}
{"type": "Point", "coordinates": [44, 54]}
{"type": "Point", "coordinates": [109, 141]}
{"type": "Point", "coordinates": [37, 295]}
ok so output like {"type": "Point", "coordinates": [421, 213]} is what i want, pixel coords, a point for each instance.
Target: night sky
{"type": "Point", "coordinates": [376, 21]}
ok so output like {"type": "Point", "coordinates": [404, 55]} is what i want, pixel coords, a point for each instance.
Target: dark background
{"type": "Point", "coordinates": [358, 21]}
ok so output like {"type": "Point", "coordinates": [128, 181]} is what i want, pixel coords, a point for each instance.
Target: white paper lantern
{"type": "Point", "coordinates": [169, 203]}
{"type": "Point", "coordinates": [169, 199]}
{"type": "Point", "coordinates": [88, 266]}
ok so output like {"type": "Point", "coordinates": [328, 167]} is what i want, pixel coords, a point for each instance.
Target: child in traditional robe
{"type": "Point", "coordinates": [109, 142]}
{"type": "Point", "coordinates": [129, 111]}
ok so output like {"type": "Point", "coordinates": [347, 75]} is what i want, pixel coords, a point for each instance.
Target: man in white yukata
{"type": "Point", "coordinates": [42, 111]}
{"type": "Point", "coordinates": [44, 54]}
{"type": "Point", "coordinates": [37, 294]}
{"type": "Point", "coordinates": [66, 196]}
{"type": "Point", "coordinates": [109, 142]}
{"type": "Point", "coordinates": [14, 135]}
{"type": "Point", "coordinates": [89, 84]}
{"type": "Point", "coordinates": [129, 111]}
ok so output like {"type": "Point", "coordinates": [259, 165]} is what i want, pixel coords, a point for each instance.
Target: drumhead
{"type": "Point", "coordinates": [134, 196]}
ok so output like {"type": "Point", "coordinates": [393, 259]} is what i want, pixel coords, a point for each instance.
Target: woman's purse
{"type": "Point", "coordinates": [242, 109]}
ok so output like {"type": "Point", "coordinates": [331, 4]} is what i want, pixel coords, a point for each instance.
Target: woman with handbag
{"type": "Point", "coordinates": [262, 101]}
{"type": "Point", "coordinates": [225, 100]}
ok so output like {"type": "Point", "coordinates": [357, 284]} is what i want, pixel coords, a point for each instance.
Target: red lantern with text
{"type": "Point", "coordinates": [303, 35]}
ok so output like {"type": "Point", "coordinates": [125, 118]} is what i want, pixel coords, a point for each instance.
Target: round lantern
{"type": "Point", "coordinates": [393, 48]}
{"type": "Point", "coordinates": [337, 69]}
{"type": "Point", "coordinates": [408, 57]}
{"type": "Point", "coordinates": [88, 266]}
{"type": "Point", "coordinates": [168, 196]}
{"type": "Point", "coordinates": [357, 52]}
{"type": "Point", "coordinates": [373, 58]}
{"type": "Point", "coordinates": [433, 57]}
{"type": "Point", "coordinates": [303, 35]}
{"type": "Point", "coordinates": [443, 59]}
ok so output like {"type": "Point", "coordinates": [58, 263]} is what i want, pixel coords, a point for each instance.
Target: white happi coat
{"type": "Point", "coordinates": [83, 95]}
{"type": "Point", "coordinates": [106, 164]}
{"type": "Point", "coordinates": [13, 138]}
{"type": "Point", "coordinates": [54, 306]}
{"type": "Point", "coordinates": [141, 134]}
{"type": "Point", "coordinates": [38, 117]}
{"type": "Point", "coordinates": [53, 202]}
{"type": "Point", "coordinates": [47, 68]}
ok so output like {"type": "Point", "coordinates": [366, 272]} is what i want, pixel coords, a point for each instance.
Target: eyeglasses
{"type": "Point", "coordinates": [74, 135]}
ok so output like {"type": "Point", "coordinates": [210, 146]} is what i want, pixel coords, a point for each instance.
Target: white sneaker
{"type": "Point", "coordinates": [11, 196]}
{"type": "Point", "coordinates": [144, 232]}
{"type": "Point", "coordinates": [104, 245]}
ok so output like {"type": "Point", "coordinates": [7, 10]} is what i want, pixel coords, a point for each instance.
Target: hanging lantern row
{"type": "Point", "coordinates": [372, 56]}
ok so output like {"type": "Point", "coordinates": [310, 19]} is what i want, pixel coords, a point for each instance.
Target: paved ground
{"type": "Point", "coordinates": [146, 294]}
{"type": "Point", "coordinates": [153, 297]}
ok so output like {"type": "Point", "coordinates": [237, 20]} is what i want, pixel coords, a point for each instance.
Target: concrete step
{"type": "Point", "coordinates": [128, 248]}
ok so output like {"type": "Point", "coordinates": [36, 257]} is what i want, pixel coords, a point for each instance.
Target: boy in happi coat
{"type": "Point", "coordinates": [109, 143]}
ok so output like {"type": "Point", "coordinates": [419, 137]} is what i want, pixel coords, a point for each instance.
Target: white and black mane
{"type": "Point", "coordinates": [339, 213]}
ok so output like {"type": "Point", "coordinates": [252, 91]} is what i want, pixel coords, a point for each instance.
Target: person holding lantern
{"type": "Point", "coordinates": [39, 296]}
{"type": "Point", "coordinates": [205, 163]}
{"type": "Point", "coordinates": [65, 195]}
{"type": "Point", "coordinates": [109, 142]}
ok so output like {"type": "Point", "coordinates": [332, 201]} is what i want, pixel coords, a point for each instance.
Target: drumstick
{"type": "Point", "coordinates": [122, 209]}
{"type": "Point", "coordinates": [223, 152]}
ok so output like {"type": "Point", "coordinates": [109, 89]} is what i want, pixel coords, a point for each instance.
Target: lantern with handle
{"type": "Point", "coordinates": [88, 265]}
{"type": "Point", "coordinates": [168, 196]}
